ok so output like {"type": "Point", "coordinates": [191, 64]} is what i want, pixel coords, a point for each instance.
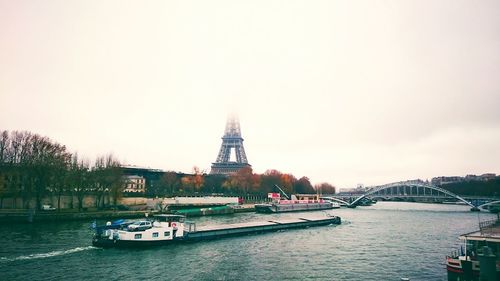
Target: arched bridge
{"type": "Point", "coordinates": [406, 190]}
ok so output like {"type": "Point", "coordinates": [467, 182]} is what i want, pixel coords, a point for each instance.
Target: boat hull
{"type": "Point", "coordinates": [110, 243]}
{"type": "Point", "coordinates": [460, 270]}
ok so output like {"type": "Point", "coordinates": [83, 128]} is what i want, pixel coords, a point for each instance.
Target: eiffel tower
{"type": "Point", "coordinates": [232, 139]}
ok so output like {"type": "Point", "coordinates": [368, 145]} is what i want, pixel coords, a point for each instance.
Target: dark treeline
{"type": "Point", "coordinates": [475, 188]}
{"type": "Point", "coordinates": [242, 183]}
{"type": "Point", "coordinates": [32, 167]}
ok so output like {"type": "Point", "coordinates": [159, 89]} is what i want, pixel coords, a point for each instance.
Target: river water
{"type": "Point", "coordinates": [386, 241]}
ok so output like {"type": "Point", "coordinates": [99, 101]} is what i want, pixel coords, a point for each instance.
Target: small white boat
{"type": "Point", "coordinates": [162, 229]}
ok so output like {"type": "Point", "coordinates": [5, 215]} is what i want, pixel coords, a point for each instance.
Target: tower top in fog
{"type": "Point", "coordinates": [232, 155]}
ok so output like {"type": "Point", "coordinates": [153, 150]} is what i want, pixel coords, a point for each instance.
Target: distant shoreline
{"type": "Point", "coordinates": [24, 216]}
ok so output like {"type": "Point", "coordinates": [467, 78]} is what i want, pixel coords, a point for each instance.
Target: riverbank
{"type": "Point", "coordinates": [31, 216]}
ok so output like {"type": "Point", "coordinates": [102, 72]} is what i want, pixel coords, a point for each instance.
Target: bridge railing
{"type": "Point", "coordinates": [489, 226]}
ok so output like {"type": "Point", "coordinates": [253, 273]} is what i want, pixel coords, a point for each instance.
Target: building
{"type": "Point", "coordinates": [487, 177]}
{"type": "Point", "coordinates": [446, 180]}
{"type": "Point", "coordinates": [149, 175]}
{"type": "Point", "coordinates": [135, 184]}
{"type": "Point", "coordinates": [472, 178]}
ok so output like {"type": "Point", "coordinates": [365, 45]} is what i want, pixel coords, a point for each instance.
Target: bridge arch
{"type": "Point", "coordinates": [489, 203]}
{"type": "Point", "coordinates": [417, 184]}
{"type": "Point", "coordinates": [336, 200]}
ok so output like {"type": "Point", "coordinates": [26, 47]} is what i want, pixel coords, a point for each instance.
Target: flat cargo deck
{"type": "Point", "coordinates": [219, 231]}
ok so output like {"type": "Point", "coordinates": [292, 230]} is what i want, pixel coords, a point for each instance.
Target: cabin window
{"type": "Point", "coordinates": [138, 236]}
{"type": "Point", "coordinates": [155, 234]}
{"type": "Point", "coordinates": [166, 233]}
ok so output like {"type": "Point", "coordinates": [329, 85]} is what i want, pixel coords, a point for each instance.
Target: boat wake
{"type": "Point", "coordinates": [49, 254]}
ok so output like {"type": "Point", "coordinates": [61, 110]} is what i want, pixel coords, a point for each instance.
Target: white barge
{"type": "Point", "coordinates": [165, 229]}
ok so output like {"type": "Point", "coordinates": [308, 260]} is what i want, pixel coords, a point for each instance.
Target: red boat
{"type": "Point", "coordinates": [479, 256]}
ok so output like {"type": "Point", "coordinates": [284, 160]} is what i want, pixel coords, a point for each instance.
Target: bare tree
{"type": "Point", "coordinates": [4, 144]}
{"type": "Point", "coordinates": [108, 179]}
{"type": "Point", "coordinates": [167, 185]}
{"type": "Point", "coordinates": [197, 179]}
{"type": "Point", "coordinates": [303, 185]}
{"type": "Point", "coordinates": [79, 179]}
{"type": "Point", "coordinates": [244, 181]}
{"type": "Point", "coordinates": [325, 188]}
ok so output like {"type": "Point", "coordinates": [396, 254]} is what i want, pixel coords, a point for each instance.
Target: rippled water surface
{"type": "Point", "coordinates": [386, 241]}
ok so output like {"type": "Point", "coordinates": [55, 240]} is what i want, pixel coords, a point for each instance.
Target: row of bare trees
{"type": "Point", "coordinates": [33, 167]}
{"type": "Point", "coordinates": [244, 182]}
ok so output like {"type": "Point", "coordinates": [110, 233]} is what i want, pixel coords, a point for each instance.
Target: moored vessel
{"type": "Point", "coordinates": [165, 229]}
{"type": "Point", "coordinates": [295, 203]}
{"type": "Point", "coordinates": [479, 256]}
{"type": "Point", "coordinates": [162, 229]}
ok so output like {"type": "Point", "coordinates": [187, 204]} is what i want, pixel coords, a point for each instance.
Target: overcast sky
{"type": "Point", "coordinates": [346, 92]}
